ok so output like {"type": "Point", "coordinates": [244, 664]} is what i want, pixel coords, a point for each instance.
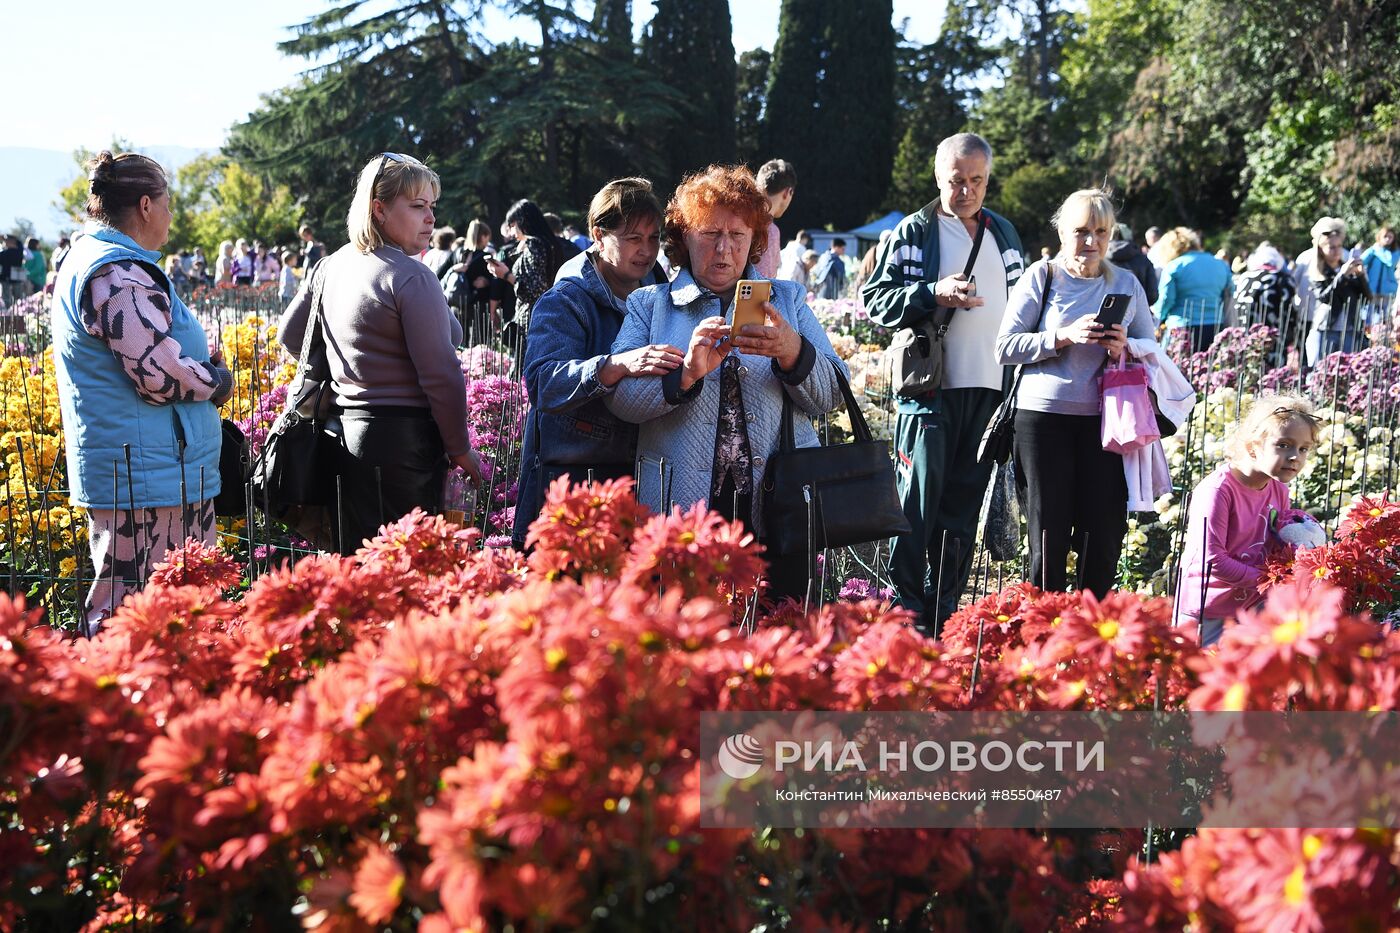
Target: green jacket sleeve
{"type": "Point", "coordinates": [897, 294]}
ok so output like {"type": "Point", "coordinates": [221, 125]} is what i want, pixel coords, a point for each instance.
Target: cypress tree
{"type": "Point", "coordinates": [856, 112]}
{"type": "Point", "coordinates": [689, 45]}
{"type": "Point", "coordinates": [790, 129]}
{"type": "Point", "coordinates": [612, 26]}
{"type": "Point", "coordinates": [751, 92]}
{"type": "Point", "coordinates": [830, 108]}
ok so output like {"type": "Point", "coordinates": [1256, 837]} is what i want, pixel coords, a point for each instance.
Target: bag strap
{"type": "Point", "coordinates": [1040, 322]}
{"type": "Point", "coordinates": [943, 315]}
{"type": "Point", "coordinates": [860, 428]}
{"type": "Point", "coordinates": [314, 335]}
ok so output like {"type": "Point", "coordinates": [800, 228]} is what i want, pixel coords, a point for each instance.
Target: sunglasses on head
{"type": "Point", "coordinates": [384, 159]}
{"type": "Point", "coordinates": [1307, 416]}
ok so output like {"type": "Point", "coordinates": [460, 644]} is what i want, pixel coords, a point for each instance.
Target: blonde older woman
{"type": "Point", "coordinates": [1076, 493]}
{"type": "Point", "coordinates": [1195, 290]}
{"type": "Point", "coordinates": [709, 425]}
{"type": "Point", "coordinates": [391, 343]}
{"type": "Point", "coordinates": [223, 264]}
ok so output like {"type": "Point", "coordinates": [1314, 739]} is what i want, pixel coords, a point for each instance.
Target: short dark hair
{"type": "Point", "coordinates": [838, 242]}
{"type": "Point", "coordinates": [622, 203]}
{"type": "Point", "coordinates": [33, 243]}
{"type": "Point", "coordinates": [443, 237]}
{"type": "Point", "coordinates": [116, 184]}
{"type": "Point", "coordinates": [804, 238]}
{"type": "Point", "coordinates": [776, 175]}
{"type": "Point", "coordinates": [556, 223]}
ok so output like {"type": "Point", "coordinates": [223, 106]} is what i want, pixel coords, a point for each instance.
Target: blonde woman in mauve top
{"type": "Point", "coordinates": [391, 344]}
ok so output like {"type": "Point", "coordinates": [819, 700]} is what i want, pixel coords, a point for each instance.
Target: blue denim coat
{"type": "Point", "coordinates": [676, 447]}
{"type": "Point", "coordinates": [572, 327]}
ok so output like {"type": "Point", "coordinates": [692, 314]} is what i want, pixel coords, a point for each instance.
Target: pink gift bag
{"type": "Point", "coordinates": [1128, 419]}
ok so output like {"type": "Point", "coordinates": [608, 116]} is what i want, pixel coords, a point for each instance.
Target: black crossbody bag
{"type": "Point", "coordinates": [292, 480]}
{"type": "Point", "coordinates": [996, 440]}
{"type": "Point", "coordinates": [916, 352]}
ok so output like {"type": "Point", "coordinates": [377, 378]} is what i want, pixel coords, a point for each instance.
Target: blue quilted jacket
{"type": "Point", "coordinates": [676, 446]}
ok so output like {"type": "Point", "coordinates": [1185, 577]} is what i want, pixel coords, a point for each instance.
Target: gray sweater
{"type": "Point", "coordinates": [392, 339]}
{"type": "Point", "coordinates": [1064, 381]}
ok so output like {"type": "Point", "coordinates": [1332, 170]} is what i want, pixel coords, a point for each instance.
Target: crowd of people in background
{"type": "Point", "coordinates": [23, 268]}
{"type": "Point", "coordinates": [26, 270]}
{"type": "Point", "coordinates": [1328, 299]}
{"type": "Point", "coordinates": [619, 333]}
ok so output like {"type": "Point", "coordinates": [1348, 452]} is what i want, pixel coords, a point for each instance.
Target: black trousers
{"type": "Point", "coordinates": [391, 462]}
{"type": "Point", "coordinates": [1075, 496]}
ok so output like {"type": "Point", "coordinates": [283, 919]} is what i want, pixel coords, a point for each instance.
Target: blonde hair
{"type": "Point", "coordinates": [1172, 244]}
{"type": "Point", "coordinates": [396, 179]}
{"type": "Point", "coordinates": [1099, 203]}
{"type": "Point", "coordinates": [478, 232]}
{"type": "Point", "coordinates": [1265, 414]}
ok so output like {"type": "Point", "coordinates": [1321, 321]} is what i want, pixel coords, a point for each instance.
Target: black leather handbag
{"type": "Point", "coordinates": [292, 479]}
{"type": "Point", "coordinates": [835, 496]}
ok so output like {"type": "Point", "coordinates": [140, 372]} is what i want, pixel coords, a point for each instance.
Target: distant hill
{"type": "Point", "coordinates": [33, 178]}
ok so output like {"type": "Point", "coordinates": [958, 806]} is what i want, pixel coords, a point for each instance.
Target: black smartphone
{"type": "Point", "coordinates": [1112, 311]}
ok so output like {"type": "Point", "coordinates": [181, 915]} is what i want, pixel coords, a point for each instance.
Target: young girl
{"type": "Point", "coordinates": [1233, 521]}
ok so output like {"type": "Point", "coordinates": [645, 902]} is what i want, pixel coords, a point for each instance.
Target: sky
{"type": "Point", "coordinates": [181, 73]}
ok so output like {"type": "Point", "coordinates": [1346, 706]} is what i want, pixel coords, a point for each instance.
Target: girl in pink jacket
{"type": "Point", "coordinates": [1234, 515]}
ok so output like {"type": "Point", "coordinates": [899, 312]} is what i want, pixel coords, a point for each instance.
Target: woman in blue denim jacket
{"type": "Point", "coordinates": [568, 369]}
{"type": "Point", "coordinates": [709, 425]}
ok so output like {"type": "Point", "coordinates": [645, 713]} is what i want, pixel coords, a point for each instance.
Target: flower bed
{"type": "Point", "coordinates": [45, 540]}
{"type": "Point", "coordinates": [430, 735]}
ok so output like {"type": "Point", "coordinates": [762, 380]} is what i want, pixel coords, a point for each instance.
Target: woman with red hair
{"type": "Point", "coordinates": [709, 426]}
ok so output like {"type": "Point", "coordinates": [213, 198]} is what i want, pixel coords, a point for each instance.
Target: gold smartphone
{"type": "Point", "coordinates": [748, 303]}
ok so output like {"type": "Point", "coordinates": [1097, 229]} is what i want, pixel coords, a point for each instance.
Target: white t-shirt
{"type": "Point", "coordinates": [969, 360]}
{"type": "Point", "coordinates": [789, 259]}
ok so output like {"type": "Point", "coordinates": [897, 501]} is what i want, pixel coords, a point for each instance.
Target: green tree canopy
{"type": "Point", "coordinates": [551, 121]}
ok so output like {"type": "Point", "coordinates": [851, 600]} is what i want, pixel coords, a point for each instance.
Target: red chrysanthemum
{"type": "Point", "coordinates": [197, 564]}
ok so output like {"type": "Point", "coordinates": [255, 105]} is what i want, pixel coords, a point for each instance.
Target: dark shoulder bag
{"type": "Point", "coordinates": [291, 479]}
{"type": "Point", "coordinates": [996, 440]}
{"type": "Point", "coordinates": [233, 471]}
{"type": "Point", "coordinates": [916, 352]}
{"type": "Point", "coordinates": [855, 479]}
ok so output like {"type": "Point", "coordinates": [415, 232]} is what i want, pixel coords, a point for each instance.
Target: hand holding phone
{"type": "Point", "coordinates": [1113, 310]}
{"type": "Point", "coordinates": [749, 298]}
